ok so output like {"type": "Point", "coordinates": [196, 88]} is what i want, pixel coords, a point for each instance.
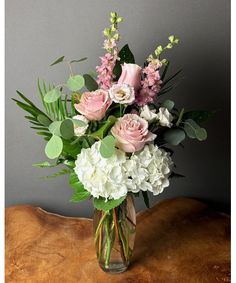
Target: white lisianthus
{"type": "Point", "coordinates": [149, 169]}
{"type": "Point", "coordinates": [148, 114]}
{"type": "Point", "coordinates": [122, 93]}
{"type": "Point", "coordinates": [165, 118]}
{"type": "Point", "coordinates": [102, 177]}
{"type": "Point", "coordinates": [80, 130]}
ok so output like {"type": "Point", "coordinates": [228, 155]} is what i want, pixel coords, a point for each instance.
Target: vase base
{"type": "Point", "coordinates": [114, 268]}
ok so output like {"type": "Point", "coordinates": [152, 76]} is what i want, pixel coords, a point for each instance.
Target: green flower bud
{"type": "Point", "coordinates": [107, 32]}
{"type": "Point", "coordinates": [113, 14]}
{"type": "Point", "coordinates": [169, 45]}
{"type": "Point", "coordinates": [171, 38]}
{"type": "Point", "coordinates": [119, 20]}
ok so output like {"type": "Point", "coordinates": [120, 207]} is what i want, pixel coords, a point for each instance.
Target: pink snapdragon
{"type": "Point", "coordinates": [150, 85]}
{"type": "Point", "coordinates": [105, 70]}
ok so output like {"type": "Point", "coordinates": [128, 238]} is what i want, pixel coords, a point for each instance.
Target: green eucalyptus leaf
{"type": "Point", "coordinates": [201, 134]}
{"type": "Point", "coordinates": [190, 131]}
{"type": "Point", "coordinates": [79, 123]}
{"type": "Point", "coordinates": [174, 136]}
{"type": "Point", "coordinates": [107, 148]}
{"type": "Point", "coordinates": [75, 83]}
{"type": "Point", "coordinates": [106, 205]}
{"type": "Point", "coordinates": [54, 147]}
{"type": "Point", "coordinates": [59, 60]}
{"type": "Point", "coordinates": [54, 128]}
{"type": "Point", "coordinates": [169, 104]}
{"type": "Point", "coordinates": [90, 83]}
{"type": "Point", "coordinates": [44, 120]}
{"type": "Point", "coordinates": [67, 129]}
{"type": "Point", "coordinates": [52, 95]}
{"type": "Point", "coordinates": [193, 130]}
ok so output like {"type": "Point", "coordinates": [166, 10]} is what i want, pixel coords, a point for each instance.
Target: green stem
{"type": "Point", "coordinates": [108, 244]}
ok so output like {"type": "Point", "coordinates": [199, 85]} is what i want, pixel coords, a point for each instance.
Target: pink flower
{"type": "Point", "coordinates": [105, 71]}
{"type": "Point", "coordinates": [131, 133]}
{"type": "Point", "coordinates": [93, 105]}
{"type": "Point", "coordinates": [150, 85]}
{"type": "Point", "coordinates": [131, 75]}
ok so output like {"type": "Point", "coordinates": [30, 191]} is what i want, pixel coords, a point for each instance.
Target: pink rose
{"type": "Point", "coordinates": [131, 75]}
{"type": "Point", "coordinates": [131, 133]}
{"type": "Point", "coordinates": [93, 105]}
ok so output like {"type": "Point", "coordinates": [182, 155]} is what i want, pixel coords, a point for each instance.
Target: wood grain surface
{"type": "Point", "coordinates": [179, 241]}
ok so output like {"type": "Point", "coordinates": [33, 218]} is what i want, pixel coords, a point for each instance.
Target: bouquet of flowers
{"type": "Point", "coordinates": [111, 129]}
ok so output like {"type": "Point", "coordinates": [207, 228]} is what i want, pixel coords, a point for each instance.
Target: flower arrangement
{"type": "Point", "coordinates": [111, 130]}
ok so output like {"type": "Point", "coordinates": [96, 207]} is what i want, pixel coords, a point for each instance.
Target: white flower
{"type": "Point", "coordinates": [102, 177]}
{"type": "Point", "coordinates": [149, 169]}
{"type": "Point", "coordinates": [164, 117]}
{"type": "Point", "coordinates": [148, 114]}
{"type": "Point", "coordinates": [80, 130]}
{"type": "Point", "coordinates": [122, 93]}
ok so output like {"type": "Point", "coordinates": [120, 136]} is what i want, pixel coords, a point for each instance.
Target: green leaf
{"type": "Point", "coordinates": [54, 128]}
{"type": "Point", "coordinates": [193, 130]}
{"type": "Point", "coordinates": [190, 131]}
{"type": "Point", "coordinates": [101, 132]}
{"type": "Point", "coordinates": [57, 174]}
{"type": "Point", "coordinates": [44, 120]}
{"type": "Point", "coordinates": [171, 78]}
{"type": "Point", "coordinates": [79, 123]}
{"type": "Point", "coordinates": [106, 205]}
{"type": "Point", "coordinates": [169, 104]}
{"type": "Point", "coordinates": [201, 134]}
{"type": "Point", "coordinates": [59, 60]}
{"type": "Point", "coordinates": [180, 117]}
{"type": "Point", "coordinates": [71, 150]}
{"type": "Point", "coordinates": [146, 199]}
{"type": "Point", "coordinates": [52, 95]}
{"type": "Point", "coordinates": [126, 56]}
{"type": "Point", "coordinates": [90, 83]}
{"type": "Point", "coordinates": [67, 129]}
{"type": "Point", "coordinates": [198, 116]}
{"type": "Point", "coordinates": [165, 71]}
{"type": "Point", "coordinates": [54, 147]}
{"type": "Point", "coordinates": [174, 136]}
{"type": "Point", "coordinates": [69, 163]}
{"type": "Point", "coordinates": [44, 164]}
{"type": "Point", "coordinates": [80, 192]}
{"type": "Point", "coordinates": [75, 83]}
{"type": "Point", "coordinates": [74, 181]}
{"type": "Point", "coordinates": [107, 148]}
{"type": "Point", "coordinates": [25, 98]}
{"type": "Point", "coordinates": [79, 60]}
{"type": "Point", "coordinates": [176, 175]}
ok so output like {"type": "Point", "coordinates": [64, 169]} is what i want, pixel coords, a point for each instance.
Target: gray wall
{"type": "Point", "coordinates": [37, 32]}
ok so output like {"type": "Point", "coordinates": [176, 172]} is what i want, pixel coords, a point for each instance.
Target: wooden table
{"type": "Point", "coordinates": [179, 241]}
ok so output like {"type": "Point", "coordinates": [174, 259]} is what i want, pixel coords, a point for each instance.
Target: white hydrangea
{"type": "Point", "coordinates": [114, 177]}
{"type": "Point", "coordinates": [165, 118]}
{"type": "Point", "coordinates": [102, 177]}
{"type": "Point", "coordinates": [149, 169]}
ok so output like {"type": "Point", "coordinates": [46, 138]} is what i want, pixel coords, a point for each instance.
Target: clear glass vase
{"type": "Point", "coordinates": [114, 235]}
